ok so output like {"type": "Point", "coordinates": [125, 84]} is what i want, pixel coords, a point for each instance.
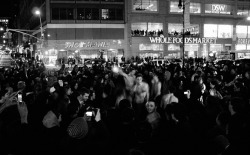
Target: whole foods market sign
{"type": "Point", "coordinates": [175, 40]}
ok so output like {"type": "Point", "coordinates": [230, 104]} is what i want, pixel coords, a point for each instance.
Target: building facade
{"type": "Point", "coordinates": [224, 21]}
{"type": "Point", "coordinates": [116, 28]}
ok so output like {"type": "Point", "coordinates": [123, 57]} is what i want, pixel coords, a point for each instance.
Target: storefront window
{"type": "Point", "coordinates": [194, 7]}
{"type": "Point", "coordinates": [225, 31]}
{"type": "Point", "coordinates": [151, 47]}
{"type": "Point", "coordinates": [248, 31]}
{"type": "Point", "coordinates": [210, 30]}
{"type": "Point", "coordinates": [192, 49]}
{"type": "Point", "coordinates": [220, 31]}
{"type": "Point", "coordinates": [243, 10]}
{"type": "Point", "coordinates": [218, 9]}
{"type": "Point", "coordinates": [241, 47]}
{"type": "Point", "coordinates": [174, 29]}
{"type": "Point", "coordinates": [241, 31]}
{"type": "Point", "coordinates": [248, 47]}
{"type": "Point", "coordinates": [146, 29]}
{"type": "Point", "coordinates": [174, 47]}
{"type": "Point", "coordinates": [145, 5]}
{"type": "Point", "coordinates": [216, 47]}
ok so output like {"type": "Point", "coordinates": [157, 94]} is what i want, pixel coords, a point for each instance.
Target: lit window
{"type": "Point", "coordinates": [174, 47]}
{"type": "Point", "coordinates": [151, 47]}
{"type": "Point", "coordinates": [194, 7]}
{"type": "Point", "coordinates": [210, 30]}
{"type": "Point", "coordinates": [146, 29]}
{"type": "Point", "coordinates": [225, 31]}
{"type": "Point", "coordinates": [241, 47]}
{"type": "Point", "coordinates": [241, 31]}
{"type": "Point", "coordinates": [145, 5]}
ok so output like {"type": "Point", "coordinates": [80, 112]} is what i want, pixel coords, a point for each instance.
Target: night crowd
{"type": "Point", "coordinates": [133, 109]}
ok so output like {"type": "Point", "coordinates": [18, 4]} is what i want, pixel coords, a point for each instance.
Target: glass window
{"type": "Point", "coordinates": [248, 47]}
{"type": "Point", "coordinates": [225, 31]}
{"type": "Point", "coordinates": [243, 10]}
{"type": "Point", "coordinates": [174, 7]}
{"type": "Point", "coordinates": [240, 47]}
{"type": "Point", "coordinates": [146, 29]}
{"type": "Point", "coordinates": [62, 13]}
{"type": "Point", "coordinates": [145, 5]}
{"type": "Point", "coordinates": [194, 7]}
{"type": "Point", "coordinates": [248, 30]}
{"type": "Point", "coordinates": [151, 47]}
{"type": "Point", "coordinates": [155, 29]}
{"type": "Point", "coordinates": [80, 14]}
{"type": "Point", "coordinates": [88, 14]}
{"type": "Point", "coordinates": [241, 31]}
{"type": "Point", "coordinates": [55, 14]}
{"type": "Point", "coordinates": [210, 30]}
{"type": "Point", "coordinates": [112, 14]}
{"type": "Point", "coordinates": [174, 29]}
{"type": "Point", "coordinates": [193, 30]}
{"type": "Point", "coordinates": [216, 47]}
{"type": "Point", "coordinates": [174, 47]}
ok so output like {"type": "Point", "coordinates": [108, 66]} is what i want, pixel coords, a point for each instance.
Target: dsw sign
{"type": "Point", "coordinates": [218, 8]}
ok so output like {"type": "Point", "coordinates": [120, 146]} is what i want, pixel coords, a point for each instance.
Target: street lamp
{"type": "Point", "coordinates": [41, 26]}
{"type": "Point", "coordinates": [182, 6]}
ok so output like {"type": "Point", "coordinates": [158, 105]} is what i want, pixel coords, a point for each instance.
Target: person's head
{"type": "Point", "coordinates": [139, 78]}
{"type": "Point", "coordinates": [155, 78]}
{"type": "Point", "coordinates": [76, 86]}
{"type": "Point", "coordinates": [247, 74]}
{"type": "Point", "coordinates": [236, 105]}
{"type": "Point", "coordinates": [68, 90]}
{"type": "Point", "coordinates": [200, 80]}
{"type": "Point", "coordinates": [212, 84]}
{"type": "Point", "coordinates": [167, 75]}
{"type": "Point", "coordinates": [83, 95]}
{"type": "Point", "coordinates": [151, 107]}
{"type": "Point", "coordinates": [21, 85]}
{"type": "Point", "coordinates": [222, 119]}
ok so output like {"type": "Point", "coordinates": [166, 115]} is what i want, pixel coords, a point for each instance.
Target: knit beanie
{"type": "Point", "coordinates": [78, 128]}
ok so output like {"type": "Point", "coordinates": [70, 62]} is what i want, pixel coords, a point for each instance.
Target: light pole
{"type": "Point", "coordinates": [41, 26]}
{"type": "Point", "coordinates": [182, 6]}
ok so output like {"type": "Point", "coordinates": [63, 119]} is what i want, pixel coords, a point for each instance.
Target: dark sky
{"type": "Point", "coordinates": [8, 8]}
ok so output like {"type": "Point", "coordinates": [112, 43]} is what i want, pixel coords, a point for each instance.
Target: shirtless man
{"type": "Point", "coordinates": [141, 91]}
{"type": "Point", "coordinates": [141, 97]}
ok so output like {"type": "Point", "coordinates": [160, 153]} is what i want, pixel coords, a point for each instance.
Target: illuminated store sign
{"type": "Point", "coordinates": [175, 40]}
{"type": "Point", "coordinates": [87, 44]}
{"type": "Point", "coordinates": [218, 9]}
{"type": "Point", "coordinates": [243, 41]}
